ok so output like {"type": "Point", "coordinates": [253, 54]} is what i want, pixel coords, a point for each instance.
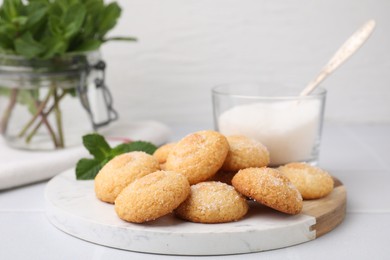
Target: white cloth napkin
{"type": "Point", "coordinates": [20, 167]}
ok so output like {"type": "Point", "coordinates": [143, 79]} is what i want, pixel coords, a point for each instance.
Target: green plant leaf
{"type": "Point", "coordinates": [37, 13]}
{"type": "Point", "coordinates": [7, 28]}
{"type": "Point", "coordinates": [71, 25]}
{"type": "Point", "coordinates": [75, 13]}
{"type": "Point", "coordinates": [109, 18]}
{"type": "Point", "coordinates": [73, 19]}
{"type": "Point", "coordinates": [55, 25]}
{"type": "Point", "coordinates": [11, 9]}
{"type": "Point", "coordinates": [7, 33]}
{"type": "Point", "coordinates": [72, 92]}
{"type": "Point", "coordinates": [55, 9]}
{"type": "Point", "coordinates": [88, 45]}
{"type": "Point", "coordinates": [134, 146]}
{"type": "Point", "coordinates": [20, 21]}
{"type": "Point", "coordinates": [28, 98]}
{"type": "Point", "coordinates": [64, 4]}
{"type": "Point", "coordinates": [97, 146]}
{"type": "Point", "coordinates": [95, 9]}
{"type": "Point", "coordinates": [54, 46]}
{"type": "Point", "coordinates": [86, 169]}
{"type": "Point", "coordinates": [28, 47]}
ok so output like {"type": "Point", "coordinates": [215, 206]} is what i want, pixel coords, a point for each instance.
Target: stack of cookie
{"type": "Point", "coordinates": [206, 178]}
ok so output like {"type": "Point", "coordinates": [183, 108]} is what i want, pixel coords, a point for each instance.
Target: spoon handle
{"type": "Point", "coordinates": [343, 53]}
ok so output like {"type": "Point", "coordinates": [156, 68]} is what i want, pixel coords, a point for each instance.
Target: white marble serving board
{"type": "Point", "coordinates": [73, 208]}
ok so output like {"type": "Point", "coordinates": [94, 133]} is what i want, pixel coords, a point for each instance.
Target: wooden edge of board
{"type": "Point", "coordinates": [328, 211]}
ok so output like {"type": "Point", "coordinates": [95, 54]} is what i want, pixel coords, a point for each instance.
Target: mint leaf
{"type": "Point", "coordinates": [55, 26]}
{"type": "Point", "coordinates": [37, 12]}
{"type": "Point", "coordinates": [46, 29]}
{"type": "Point", "coordinates": [37, 19]}
{"type": "Point", "coordinates": [87, 169]}
{"type": "Point", "coordinates": [19, 21]}
{"type": "Point", "coordinates": [88, 45]}
{"type": "Point", "coordinates": [134, 146]}
{"type": "Point", "coordinates": [97, 146]}
{"type": "Point", "coordinates": [74, 19]}
{"type": "Point", "coordinates": [55, 9]}
{"type": "Point", "coordinates": [54, 45]}
{"type": "Point", "coordinates": [108, 18]}
{"type": "Point", "coordinates": [10, 9]}
{"type": "Point", "coordinates": [28, 47]}
{"type": "Point", "coordinates": [29, 97]}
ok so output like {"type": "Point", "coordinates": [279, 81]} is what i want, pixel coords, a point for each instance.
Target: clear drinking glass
{"type": "Point", "coordinates": [289, 125]}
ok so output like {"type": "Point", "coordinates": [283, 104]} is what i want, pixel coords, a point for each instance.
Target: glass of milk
{"type": "Point", "coordinates": [289, 125]}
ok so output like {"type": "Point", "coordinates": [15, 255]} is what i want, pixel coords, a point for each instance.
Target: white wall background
{"type": "Point", "coordinates": [186, 47]}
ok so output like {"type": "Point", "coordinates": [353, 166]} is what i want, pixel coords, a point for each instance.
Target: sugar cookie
{"type": "Point", "coordinates": [152, 196]}
{"type": "Point", "coordinates": [162, 152]}
{"type": "Point", "coordinates": [120, 171]}
{"type": "Point", "coordinates": [245, 153]}
{"type": "Point", "coordinates": [198, 156]}
{"type": "Point", "coordinates": [269, 187]}
{"type": "Point", "coordinates": [312, 182]}
{"type": "Point", "coordinates": [213, 202]}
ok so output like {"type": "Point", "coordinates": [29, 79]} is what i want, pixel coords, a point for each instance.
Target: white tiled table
{"type": "Point", "coordinates": [358, 155]}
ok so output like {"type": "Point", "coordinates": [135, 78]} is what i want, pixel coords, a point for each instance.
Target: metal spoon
{"type": "Point", "coordinates": [342, 54]}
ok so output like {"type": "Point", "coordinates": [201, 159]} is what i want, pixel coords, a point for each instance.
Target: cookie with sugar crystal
{"type": "Point", "coordinates": [213, 202]}
{"type": "Point", "coordinates": [120, 171]}
{"type": "Point", "coordinates": [161, 154]}
{"type": "Point", "coordinates": [269, 187]}
{"type": "Point", "coordinates": [152, 196]}
{"type": "Point", "coordinates": [312, 182]}
{"type": "Point", "coordinates": [198, 156]}
{"type": "Point", "coordinates": [244, 153]}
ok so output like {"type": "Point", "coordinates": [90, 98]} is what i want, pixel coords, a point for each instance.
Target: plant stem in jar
{"type": "Point", "coordinates": [8, 110]}
{"type": "Point", "coordinates": [58, 117]}
{"type": "Point", "coordinates": [43, 120]}
{"type": "Point", "coordinates": [49, 128]}
{"type": "Point", "coordinates": [40, 108]}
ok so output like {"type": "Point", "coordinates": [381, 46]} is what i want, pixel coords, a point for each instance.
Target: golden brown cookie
{"type": "Point", "coordinates": [162, 167]}
{"type": "Point", "coordinates": [198, 156]}
{"type": "Point", "coordinates": [162, 152]}
{"type": "Point", "coordinates": [244, 153]}
{"type": "Point", "coordinates": [213, 202]}
{"type": "Point", "coordinates": [152, 196]}
{"type": "Point", "coordinates": [122, 170]}
{"type": "Point", "coordinates": [312, 182]}
{"type": "Point", "coordinates": [269, 187]}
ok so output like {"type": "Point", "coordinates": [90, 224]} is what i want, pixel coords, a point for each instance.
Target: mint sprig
{"type": "Point", "coordinates": [87, 169]}
{"type": "Point", "coordinates": [46, 29]}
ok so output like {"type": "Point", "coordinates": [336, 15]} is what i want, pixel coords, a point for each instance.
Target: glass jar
{"type": "Point", "coordinates": [51, 104]}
